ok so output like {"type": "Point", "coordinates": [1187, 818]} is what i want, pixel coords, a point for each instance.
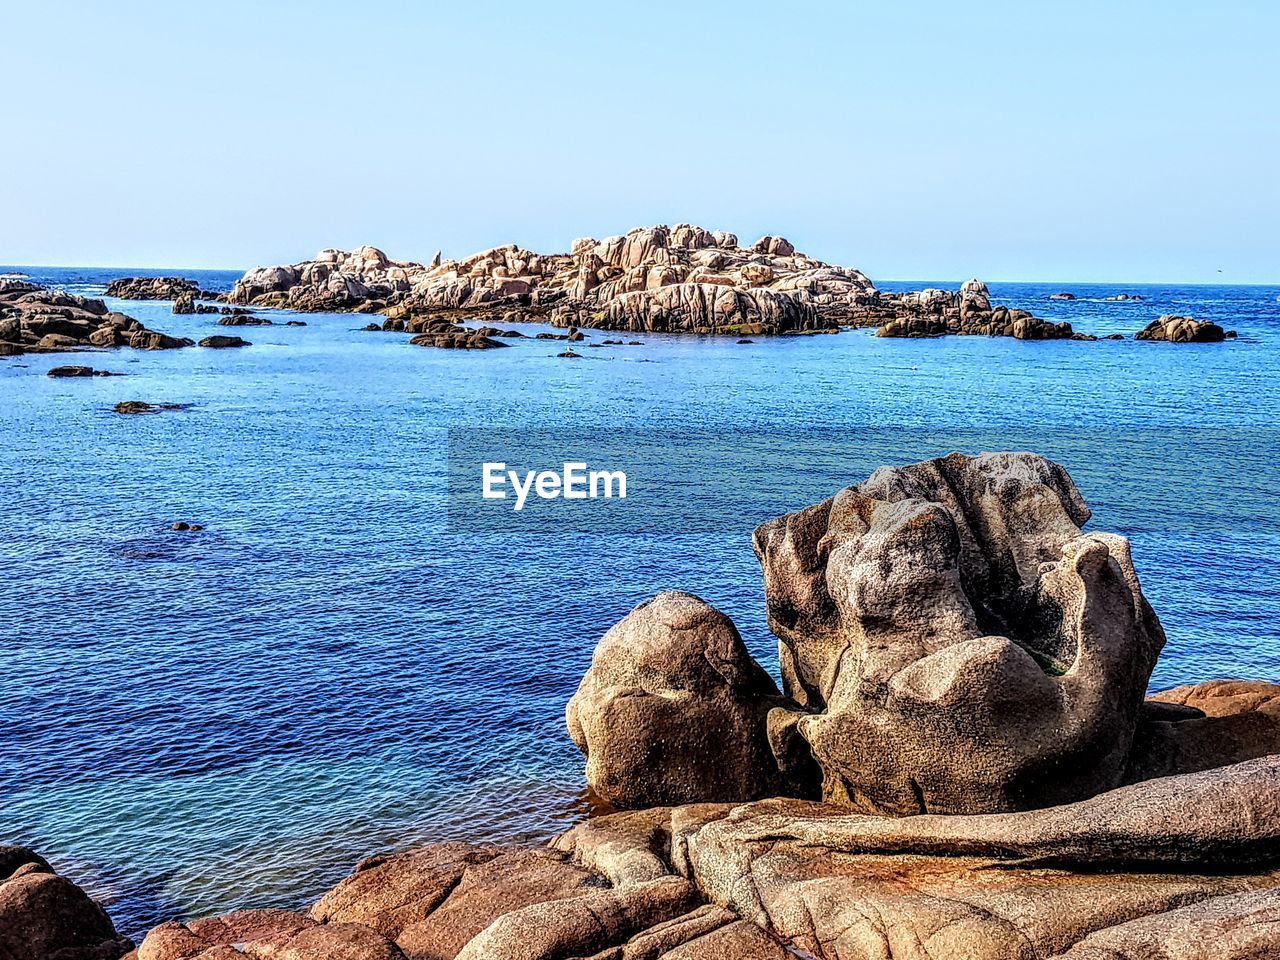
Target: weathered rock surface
{"type": "Point", "coordinates": [1173, 329]}
{"type": "Point", "coordinates": [680, 278]}
{"type": "Point", "coordinates": [334, 280]}
{"type": "Point", "coordinates": [959, 588]}
{"type": "Point", "coordinates": [673, 709]}
{"type": "Point", "coordinates": [36, 320]}
{"type": "Point", "coordinates": [1239, 926]}
{"type": "Point", "coordinates": [478, 901]}
{"type": "Point", "coordinates": [837, 887]}
{"type": "Point", "coordinates": [1206, 725]}
{"type": "Point", "coordinates": [153, 288]}
{"type": "Point", "coordinates": [46, 917]}
{"type": "Point", "coordinates": [267, 935]}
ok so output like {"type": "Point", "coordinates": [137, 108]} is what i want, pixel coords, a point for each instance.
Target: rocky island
{"type": "Point", "coordinates": [962, 761]}
{"type": "Point", "coordinates": [660, 279]}
{"type": "Point", "coordinates": [681, 278]}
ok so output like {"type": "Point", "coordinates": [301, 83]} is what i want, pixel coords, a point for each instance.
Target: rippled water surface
{"type": "Point", "coordinates": [190, 723]}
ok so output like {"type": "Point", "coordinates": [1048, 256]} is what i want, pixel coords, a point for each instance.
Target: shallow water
{"type": "Point", "coordinates": [190, 723]}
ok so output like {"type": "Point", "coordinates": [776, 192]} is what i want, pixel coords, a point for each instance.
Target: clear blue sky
{"type": "Point", "coordinates": [913, 140]}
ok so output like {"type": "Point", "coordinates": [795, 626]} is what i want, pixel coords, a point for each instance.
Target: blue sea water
{"type": "Point", "coordinates": [193, 723]}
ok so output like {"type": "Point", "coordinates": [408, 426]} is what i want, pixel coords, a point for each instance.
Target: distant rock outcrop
{"type": "Point", "coordinates": [934, 313]}
{"type": "Point", "coordinates": [153, 288]}
{"type": "Point", "coordinates": [1174, 329]}
{"type": "Point", "coordinates": [334, 280]}
{"type": "Point", "coordinates": [36, 320]}
{"type": "Point", "coordinates": [680, 278]}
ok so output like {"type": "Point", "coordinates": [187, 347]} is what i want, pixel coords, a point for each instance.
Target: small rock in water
{"type": "Point", "coordinates": [746, 341]}
{"type": "Point", "coordinates": [183, 526]}
{"type": "Point", "coordinates": [180, 525]}
{"type": "Point", "coordinates": [570, 355]}
{"type": "Point", "coordinates": [220, 342]}
{"type": "Point", "coordinates": [141, 406]}
{"type": "Point", "coordinates": [296, 323]}
{"type": "Point", "coordinates": [74, 371]}
{"type": "Point", "coordinates": [1062, 296]}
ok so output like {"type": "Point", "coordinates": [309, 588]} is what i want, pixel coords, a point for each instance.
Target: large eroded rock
{"type": "Point", "coordinates": [959, 645]}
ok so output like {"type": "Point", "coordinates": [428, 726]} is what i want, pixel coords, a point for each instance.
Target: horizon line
{"type": "Point", "coordinates": [1143, 283]}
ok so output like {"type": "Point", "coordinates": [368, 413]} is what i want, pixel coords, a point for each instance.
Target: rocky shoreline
{"type": "Point", "coordinates": [677, 279]}
{"type": "Point", "coordinates": [961, 762]}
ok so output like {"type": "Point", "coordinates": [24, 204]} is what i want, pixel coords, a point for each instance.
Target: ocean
{"type": "Point", "coordinates": [338, 666]}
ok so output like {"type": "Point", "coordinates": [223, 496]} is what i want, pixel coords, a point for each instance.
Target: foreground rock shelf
{"type": "Point", "coordinates": [961, 763]}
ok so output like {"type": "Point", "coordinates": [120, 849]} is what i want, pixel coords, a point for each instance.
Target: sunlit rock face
{"type": "Point", "coordinates": [674, 710]}
{"type": "Point", "coordinates": [955, 642]}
